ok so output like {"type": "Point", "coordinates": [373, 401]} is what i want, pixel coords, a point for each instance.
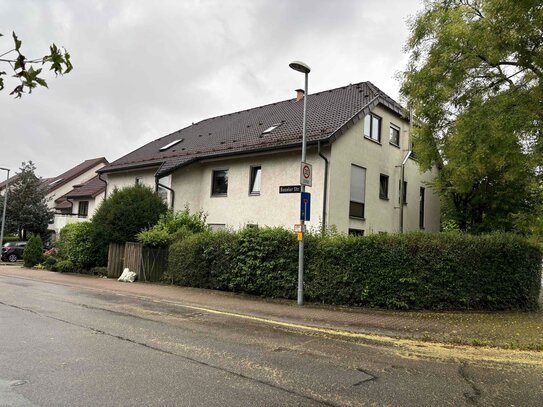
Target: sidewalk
{"type": "Point", "coordinates": [517, 330]}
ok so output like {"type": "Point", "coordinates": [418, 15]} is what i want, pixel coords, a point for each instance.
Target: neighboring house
{"type": "Point", "coordinates": [80, 203]}
{"type": "Point", "coordinates": [76, 193]}
{"type": "Point", "coordinates": [233, 166]}
{"type": "Point", "coordinates": [9, 181]}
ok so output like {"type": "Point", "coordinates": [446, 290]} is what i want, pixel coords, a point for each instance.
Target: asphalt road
{"type": "Point", "coordinates": [70, 346]}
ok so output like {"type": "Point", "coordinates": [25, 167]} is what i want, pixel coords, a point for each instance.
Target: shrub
{"type": "Point", "coordinates": [50, 262]}
{"type": "Point", "coordinates": [75, 244]}
{"type": "Point", "coordinates": [124, 214]}
{"type": "Point", "coordinates": [10, 238]}
{"type": "Point", "coordinates": [64, 266]}
{"type": "Point", "coordinates": [426, 271]}
{"type": "Point", "coordinates": [202, 260]}
{"type": "Point", "coordinates": [410, 271]}
{"type": "Point", "coordinates": [99, 271]}
{"type": "Point", "coordinates": [172, 226]}
{"type": "Point", "coordinates": [33, 253]}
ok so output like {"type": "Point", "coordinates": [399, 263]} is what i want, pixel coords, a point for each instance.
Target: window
{"type": "Point", "coordinates": [394, 135]}
{"type": "Point", "coordinates": [173, 143]}
{"type": "Point", "coordinates": [139, 180]}
{"type": "Point", "coordinates": [219, 184]}
{"type": "Point", "coordinates": [421, 208]}
{"type": "Point", "coordinates": [356, 232]}
{"type": "Point", "coordinates": [358, 191]}
{"type": "Point", "coordinates": [372, 127]}
{"type": "Point", "coordinates": [383, 186]}
{"type": "Point", "coordinates": [271, 128]}
{"type": "Point", "coordinates": [404, 191]}
{"type": "Point", "coordinates": [83, 210]}
{"type": "Point", "coordinates": [217, 226]}
{"type": "Point", "coordinates": [255, 180]}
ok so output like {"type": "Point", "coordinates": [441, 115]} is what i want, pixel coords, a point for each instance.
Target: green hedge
{"type": "Point", "coordinates": [410, 271]}
{"type": "Point", "coordinates": [76, 245]}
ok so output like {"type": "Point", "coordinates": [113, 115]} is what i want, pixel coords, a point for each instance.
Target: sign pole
{"type": "Point", "coordinates": [302, 241]}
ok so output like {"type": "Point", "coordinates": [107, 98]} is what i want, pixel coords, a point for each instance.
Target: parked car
{"type": "Point", "coordinates": [13, 251]}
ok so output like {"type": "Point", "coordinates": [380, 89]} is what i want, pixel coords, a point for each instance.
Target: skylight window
{"type": "Point", "coordinates": [173, 143]}
{"type": "Point", "coordinates": [271, 128]}
{"type": "Point", "coordinates": [55, 181]}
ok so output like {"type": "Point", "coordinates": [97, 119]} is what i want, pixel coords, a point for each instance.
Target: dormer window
{"type": "Point", "coordinates": [173, 143]}
{"type": "Point", "coordinates": [271, 128]}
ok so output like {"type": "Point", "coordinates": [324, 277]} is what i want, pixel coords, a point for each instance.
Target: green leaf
{"type": "Point", "coordinates": [17, 42]}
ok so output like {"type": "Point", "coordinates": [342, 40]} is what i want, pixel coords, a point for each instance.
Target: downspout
{"type": "Point", "coordinates": [325, 192]}
{"type": "Point", "coordinates": [71, 206]}
{"type": "Point", "coordinates": [105, 182]}
{"type": "Point", "coordinates": [402, 192]}
{"type": "Point", "coordinates": [158, 184]}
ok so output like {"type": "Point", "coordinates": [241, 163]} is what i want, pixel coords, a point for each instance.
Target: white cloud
{"type": "Point", "coordinates": [143, 69]}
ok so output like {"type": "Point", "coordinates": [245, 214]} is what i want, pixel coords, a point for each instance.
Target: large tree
{"type": "Point", "coordinates": [58, 60]}
{"type": "Point", "coordinates": [27, 211]}
{"type": "Point", "coordinates": [474, 83]}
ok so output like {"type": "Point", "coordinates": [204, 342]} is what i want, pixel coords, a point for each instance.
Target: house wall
{"type": "Point", "coordinates": [61, 220]}
{"type": "Point", "coordinates": [192, 186]}
{"type": "Point", "coordinates": [124, 179]}
{"type": "Point", "coordinates": [379, 158]}
{"type": "Point", "coordinates": [64, 189]}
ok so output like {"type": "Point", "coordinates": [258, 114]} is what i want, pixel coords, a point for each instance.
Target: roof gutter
{"type": "Point", "coordinates": [104, 170]}
{"type": "Point", "coordinates": [232, 154]}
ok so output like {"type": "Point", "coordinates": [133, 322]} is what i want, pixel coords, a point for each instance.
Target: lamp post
{"type": "Point", "coordinates": [4, 210]}
{"type": "Point", "coordinates": [303, 68]}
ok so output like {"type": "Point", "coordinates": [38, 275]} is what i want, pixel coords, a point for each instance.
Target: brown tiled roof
{"type": "Point", "coordinates": [330, 113]}
{"type": "Point", "coordinates": [62, 203]}
{"type": "Point", "coordinates": [89, 189]}
{"type": "Point", "coordinates": [71, 174]}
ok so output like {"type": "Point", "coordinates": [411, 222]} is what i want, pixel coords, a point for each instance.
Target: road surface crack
{"type": "Point", "coordinates": [471, 396]}
{"type": "Point", "coordinates": [199, 362]}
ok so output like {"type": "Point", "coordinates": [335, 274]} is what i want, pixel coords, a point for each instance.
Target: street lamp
{"type": "Point", "coordinates": [303, 68]}
{"type": "Point", "coordinates": [4, 210]}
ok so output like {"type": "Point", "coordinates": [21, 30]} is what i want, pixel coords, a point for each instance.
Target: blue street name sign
{"type": "Point", "coordinates": [305, 206]}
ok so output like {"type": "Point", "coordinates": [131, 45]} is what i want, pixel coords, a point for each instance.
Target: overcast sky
{"type": "Point", "coordinates": [143, 69]}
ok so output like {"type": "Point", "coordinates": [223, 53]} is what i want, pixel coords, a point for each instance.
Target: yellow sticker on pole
{"type": "Point", "coordinates": [300, 235]}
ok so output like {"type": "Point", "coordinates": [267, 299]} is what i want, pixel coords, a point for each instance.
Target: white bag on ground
{"type": "Point", "coordinates": [127, 276]}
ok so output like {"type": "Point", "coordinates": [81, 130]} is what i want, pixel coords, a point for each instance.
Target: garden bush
{"type": "Point", "coordinates": [124, 214]}
{"type": "Point", "coordinates": [410, 271]}
{"type": "Point", "coordinates": [75, 244]}
{"type": "Point", "coordinates": [64, 266]}
{"type": "Point", "coordinates": [202, 260]}
{"type": "Point", "coordinates": [99, 271]}
{"type": "Point", "coordinates": [173, 226]}
{"type": "Point", "coordinates": [33, 253]}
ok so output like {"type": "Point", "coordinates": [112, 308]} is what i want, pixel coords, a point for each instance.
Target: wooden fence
{"type": "Point", "coordinates": [148, 263]}
{"type": "Point", "coordinates": [115, 259]}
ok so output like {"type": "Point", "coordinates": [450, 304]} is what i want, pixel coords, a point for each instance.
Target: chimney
{"type": "Point", "coordinates": [299, 94]}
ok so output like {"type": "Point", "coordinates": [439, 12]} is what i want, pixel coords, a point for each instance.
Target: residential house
{"type": "Point", "coordinates": [237, 167]}
{"type": "Point", "coordinates": [7, 182]}
{"type": "Point", "coordinates": [76, 193]}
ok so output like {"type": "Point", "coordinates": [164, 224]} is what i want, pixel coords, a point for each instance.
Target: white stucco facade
{"type": "Point", "coordinates": [238, 207]}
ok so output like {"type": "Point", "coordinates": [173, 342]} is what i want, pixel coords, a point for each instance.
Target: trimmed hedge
{"type": "Point", "coordinates": [75, 244]}
{"type": "Point", "coordinates": [409, 271]}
